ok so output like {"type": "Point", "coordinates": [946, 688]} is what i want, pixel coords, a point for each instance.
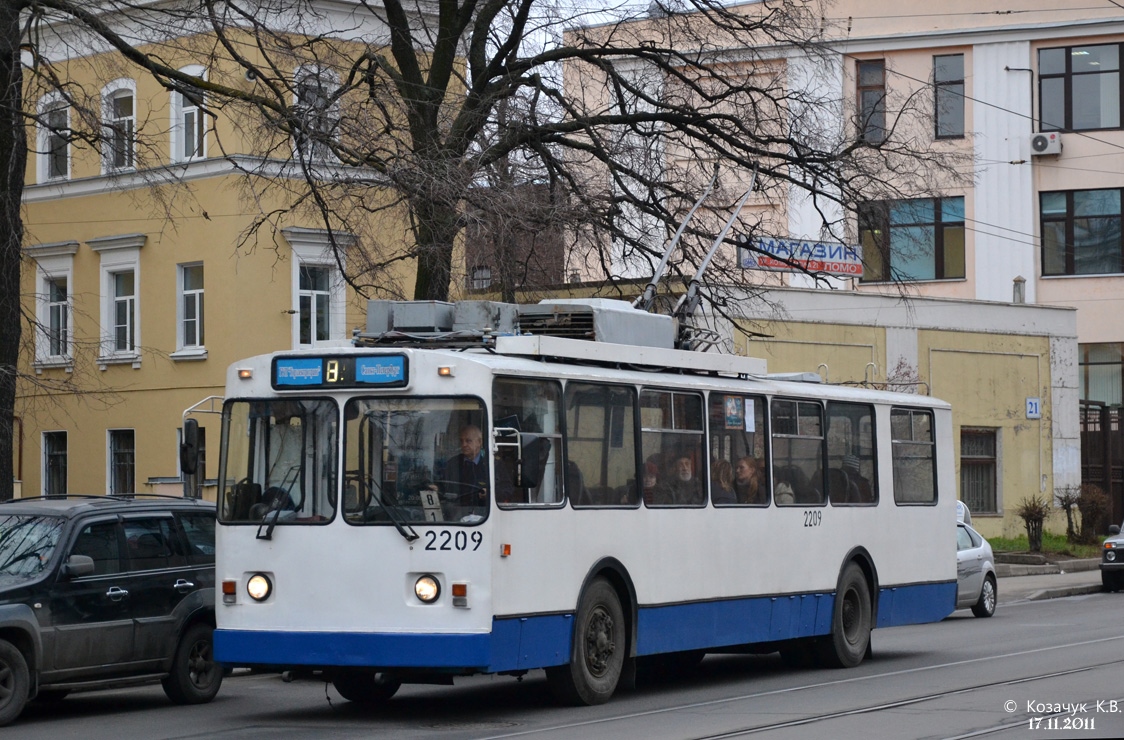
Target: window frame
{"type": "Point", "coordinates": [48, 137]}
{"type": "Point", "coordinates": [630, 431]}
{"type": "Point", "coordinates": [48, 439]}
{"type": "Point", "coordinates": [869, 462]}
{"type": "Point", "coordinates": [178, 130]}
{"type": "Point", "coordinates": [940, 85]}
{"type": "Point", "coordinates": [551, 388]}
{"type": "Point", "coordinates": [895, 446]}
{"type": "Point", "coordinates": [323, 121]}
{"type": "Point", "coordinates": [118, 254]}
{"type": "Point", "coordinates": [1068, 77]}
{"type": "Point", "coordinates": [313, 248]}
{"type": "Point", "coordinates": [871, 120]}
{"type": "Point", "coordinates": [1069, 220]}
{"type": "Point", "coordinates": [776, 434]}
{"type": "Point", "coordinates": [118, 130]}
{"type": "Point", "coordinates": [874, 217]}
{"type": "Point", "coordinates": [681, 434]}
{"type": "Point", "coordinates": [1085, 367]}
{"type": "Point", "coordinates": [53, 262]}
{"type": "Point", "coordinates": [719, 410]}
{"type": "Point", "coordinates": [186, 348]}
{"type": "Point", "coordinates": [114, 450]}
{"type": "Point", "coordinates": [980, 461]}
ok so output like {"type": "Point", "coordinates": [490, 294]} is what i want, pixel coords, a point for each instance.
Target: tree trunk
{"type": "Point", "coordinates": [13, 158]}
{"type": "Point", "coordinates": [436, 227]}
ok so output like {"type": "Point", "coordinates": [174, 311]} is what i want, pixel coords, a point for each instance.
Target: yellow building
{"type": "Point", "coordinates": [146, 278]}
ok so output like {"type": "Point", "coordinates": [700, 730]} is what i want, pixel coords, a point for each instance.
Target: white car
{"type": "Point", "coordinates": [975, 568]}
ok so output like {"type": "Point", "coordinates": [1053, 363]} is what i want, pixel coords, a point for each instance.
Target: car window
{"type": "Point", "coordinates": [963, 539]}
{"type": "Point", "coordinates": [99, 542]}
{"type": "Point", "coordinates": [152, 543]}
{"type": "Point", "coordinates": [200, 531]}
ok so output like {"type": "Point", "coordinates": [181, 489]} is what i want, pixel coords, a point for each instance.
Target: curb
{"type": "Point", "coordinates": [1003, 570]}
{"type": "Point", "coordinates": [1062, 592]}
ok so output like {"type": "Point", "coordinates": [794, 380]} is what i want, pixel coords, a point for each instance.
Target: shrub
{"type": "Point", "coordinates": [1094, 507]}
{"type": "Point", "coordinates": [1033, 511]}
{"type": "Point", "coordinates": [1066, 498]}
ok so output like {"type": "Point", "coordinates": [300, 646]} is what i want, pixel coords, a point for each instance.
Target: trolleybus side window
{"type": "Point", "coordinates": [528, 459]}
{"type": "Point", "coordinates": [739, 473]}
{"type": "Point", "coordinates": [279, 462]}
{"type": "Point", "coordinates": [914, 456]}
{"type": "Point", "coordinates": [415, 460]}
{"type": "Point", "coordinates": [798, 455]}
{"type": "Point", "coordinates": [600, 451]}
{"type": "Point", "coordinates": [851, 460]}
{"type": "Point", "coordinates": [671, 428]}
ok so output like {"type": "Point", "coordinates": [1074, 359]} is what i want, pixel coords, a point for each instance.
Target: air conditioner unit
{"type": "Point", "coordinates": [1043, 144]}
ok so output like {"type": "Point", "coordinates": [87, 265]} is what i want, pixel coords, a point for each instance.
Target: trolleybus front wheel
{"type": "Point", "coordinates": [365, 687]}
{"type": "Point", "coordinates": [598, 652]}
{"type": "Point", "coordinates": [849, 640]}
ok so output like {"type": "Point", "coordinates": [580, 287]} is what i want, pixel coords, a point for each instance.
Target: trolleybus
{"type": "Point", "coordinates": [488, 488]}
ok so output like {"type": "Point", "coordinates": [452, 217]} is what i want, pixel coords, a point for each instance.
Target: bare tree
{"type": "Point", "coordinates": [400, 122]}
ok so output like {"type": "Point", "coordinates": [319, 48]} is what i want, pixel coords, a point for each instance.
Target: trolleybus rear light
{"type": "Point", "coordinates": [229, 592]}
{"type": "Point", "coordinates": [259, 587]}
{"type": "Point", "coordinates": [505, 550]}
{"type": "Point", "coordinates": [427, 589]}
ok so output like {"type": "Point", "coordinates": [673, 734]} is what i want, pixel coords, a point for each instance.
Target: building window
{"type": "Point", "coordinates": [481, 278]}
{"type": "Point", "coordinates": [120, 290]}
{"type": "Point", "coordinates": [54, 270]}
{"type": "Point", "coordinates": [54, 463]}
{"type": "Point", "coordinates": [58, 318]}
{"type": "Point", "coordinates": [122, 461]}
{"type": "Point", "coordinates": [1079, 88]}
{"type": "Point", "coordinates": [1101, 372]}
{"type": "Point", "coordinates": [948, 80]}
{"type": "Point", "coordinates": [872, 100]}
{"type": "Point", "coordinates": [120, 130]}
{"type": "Point", "coordinates": [188, 130]}
{"type": "Point", "coordinates": [315, 302]}
{"type": "Point", "coordinates": [58, 143]}
{"type": "Point", "coordinates": [317, 117]}
{"type": "Point", "coordinates": [124, 311]}
{"type": "Point", "coordinates": [191, 306]}
{"type": "Point", "coordinates": [1081, 232]}
{"type": "Point", "coordinates": [978, 489]}
{"type": "Point", "coordinates": [920, 239]}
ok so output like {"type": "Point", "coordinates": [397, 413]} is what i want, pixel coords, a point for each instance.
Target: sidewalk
{"type": "Point", "coordinates": [1033, 582]}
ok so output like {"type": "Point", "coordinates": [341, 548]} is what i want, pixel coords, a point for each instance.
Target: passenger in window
{"type": "Point", "coordinates": [683, 489]}
{"type": "Point", "coordinates": [862, 491]}
{"type": "Point", "coordinates": [466, 473]}
{"type": "Point", "coordinates": [785, 486]}
{"type": "Point", "coordinates": [747, 482]}
{"type": "Point", "coordinates": [722, 483]}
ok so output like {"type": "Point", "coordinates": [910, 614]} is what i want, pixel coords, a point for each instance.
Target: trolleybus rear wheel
{"type": "Point", "coordinates": [598, 652]}
{"type": "Point", "coordinates": [849, 640]}
{"type": "Point", "coordinates": [365, 687]}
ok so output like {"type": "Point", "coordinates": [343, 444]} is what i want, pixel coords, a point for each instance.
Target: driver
{"type": "Point", "coordinates": [466, 473]}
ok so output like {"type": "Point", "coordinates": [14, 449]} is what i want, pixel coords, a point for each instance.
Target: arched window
{"type": "Point", "coordinates": [53, 139]}
{"type": "Point", "coordinates": [317, 113]}
{"type": "Point", "coordinates": [188, 124]}
{"type": "Point", "coordinates": [119, 123]}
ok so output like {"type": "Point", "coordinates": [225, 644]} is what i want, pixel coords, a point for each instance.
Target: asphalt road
{"type": "Point", "coordinates": [1037, 669]}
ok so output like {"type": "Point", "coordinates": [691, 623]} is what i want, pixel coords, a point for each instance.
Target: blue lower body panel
{"type": "Point", "coordinates": [523, 643]}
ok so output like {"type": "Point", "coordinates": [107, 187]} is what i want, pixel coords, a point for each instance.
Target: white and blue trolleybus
{"type": "Point", "coordinates": [489, 488]}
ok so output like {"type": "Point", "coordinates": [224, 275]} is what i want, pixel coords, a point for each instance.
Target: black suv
{"type": "Point", "coordinates": [103, 591]}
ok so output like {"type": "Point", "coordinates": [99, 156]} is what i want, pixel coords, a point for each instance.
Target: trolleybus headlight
{"type": "Point", "coordinates": [1110, 556]}
{"type": "Point", "coordinates": [259, 587]}
{"type": "Point", "coordinates": [427, 589]}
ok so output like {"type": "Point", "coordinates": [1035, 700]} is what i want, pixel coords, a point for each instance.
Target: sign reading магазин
{"type": "Point", "coordinates": [766, 253]}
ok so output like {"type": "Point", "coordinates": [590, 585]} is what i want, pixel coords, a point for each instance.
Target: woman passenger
{"type": "Point", "coordinates": [747, 482]}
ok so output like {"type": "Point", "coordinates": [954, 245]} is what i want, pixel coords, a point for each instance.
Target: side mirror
{"type": "Point", "coordinates": [1114, 529]}
{"type": "Point", "coordinates": [189, 448]}
{"type": "Point", "coordinates": [532, 461]}
{"type": "Point", "coordinates": [78, 565]}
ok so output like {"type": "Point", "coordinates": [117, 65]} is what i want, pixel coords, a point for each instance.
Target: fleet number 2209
{"type": "Point", "coordinates": [812, 518]}
{"type": "Point", "coordinates": [445, 539]}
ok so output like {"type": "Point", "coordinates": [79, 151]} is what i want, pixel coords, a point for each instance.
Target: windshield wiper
{"type": "Point", "coordinates": [408, 533]}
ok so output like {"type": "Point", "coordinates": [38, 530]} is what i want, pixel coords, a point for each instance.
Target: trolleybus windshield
{"type": "Point", "coordinates": [416, 460]}
{"type": "Point", "coordinates": [279, 462]}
